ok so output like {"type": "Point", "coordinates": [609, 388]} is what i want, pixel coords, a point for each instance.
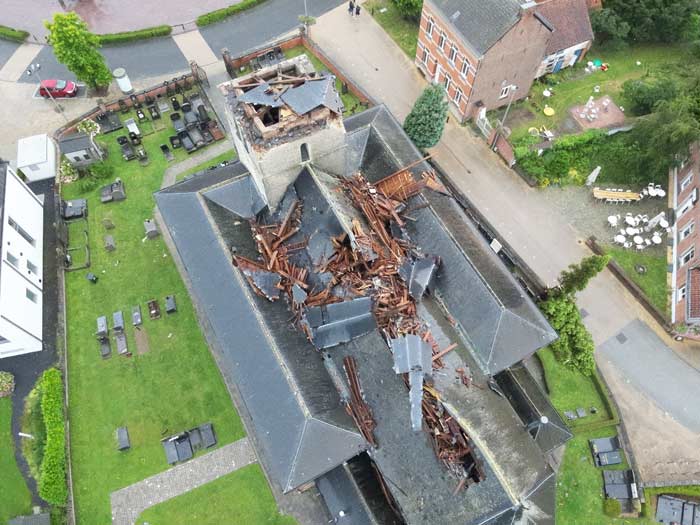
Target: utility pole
{"type": "Point", "coordinates": [33, 69]}
{"type": "Point", "coordinates": [512, 88]}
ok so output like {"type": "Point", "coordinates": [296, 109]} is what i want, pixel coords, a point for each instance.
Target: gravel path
{"type": "Point", "coordinates": [128, 503]}
{"type": "Point", "coordinates": [171, 173]}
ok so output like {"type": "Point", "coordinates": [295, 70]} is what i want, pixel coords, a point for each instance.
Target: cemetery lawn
{"type": "Point", "coordinates": [15, 499]}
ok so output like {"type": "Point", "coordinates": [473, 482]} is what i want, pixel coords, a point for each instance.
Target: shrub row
{"type": "Point", "coordinates": [139, 34]}
{"type": "Point", "coordinates": [16, 35]}
{"type": "Point", "coordinates": [221, 14]}
{"type": "Point", "coordinates": [52, 484]}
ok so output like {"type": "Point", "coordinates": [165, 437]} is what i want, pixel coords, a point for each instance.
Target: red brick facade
{"type": "Point", "coordinates": [472, 82]}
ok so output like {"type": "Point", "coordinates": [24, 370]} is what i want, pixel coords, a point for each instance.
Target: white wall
{"type": "Point", "coordinates": [20, 317]}
{"type": "Point", "coordinates": [569, 58]}
{"type": "Point", "coordinates": [40, 170]}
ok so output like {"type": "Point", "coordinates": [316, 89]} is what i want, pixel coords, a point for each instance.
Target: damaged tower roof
{"type": "Point", "coordinates": [479, 318]}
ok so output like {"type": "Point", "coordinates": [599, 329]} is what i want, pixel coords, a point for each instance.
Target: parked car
{"type": "Point", "coordinates": [58, 88]}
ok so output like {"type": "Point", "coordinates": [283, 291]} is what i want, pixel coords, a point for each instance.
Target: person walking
{"type": "Point", "coordinates": [351, 7]}
{"type": "Point", "coordinates": [357, 10]}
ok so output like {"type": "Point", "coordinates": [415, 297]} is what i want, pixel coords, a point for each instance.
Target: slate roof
{"type": "Point", "coordinates": [75, 142]}
{"type": "Point", "coordinates": [571, 22]}
{"type": "Point", "coordinates": [481, 22]}
{"type": "Point", "coordinates": [300, 99]}
{"type": "Point", "coordinates": [341, 493]}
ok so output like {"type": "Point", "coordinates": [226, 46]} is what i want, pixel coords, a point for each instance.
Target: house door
{"type": "Point", "coordinates": [577, 56]}
{"type": "Point", "coordinates": [559, 64]}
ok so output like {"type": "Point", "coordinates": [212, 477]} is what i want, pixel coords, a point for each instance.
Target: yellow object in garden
{"type": "Point", "coordinates": [549, 111]}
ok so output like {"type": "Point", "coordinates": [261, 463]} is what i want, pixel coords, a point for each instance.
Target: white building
{"type": "Point", "coordinates": [36, 157]}
{"type": "Point", "coordinates": [21, 266]}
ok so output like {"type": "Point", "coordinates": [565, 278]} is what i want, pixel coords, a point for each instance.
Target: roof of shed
{"type": "Point", "coordinates": [572, 25]}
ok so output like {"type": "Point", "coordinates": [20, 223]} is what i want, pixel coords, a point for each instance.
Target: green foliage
{"type": "Point", "coordinates": [89, 127]}
{"type": "Point", "coordinates": [409, 8]}
{"type": "Point", "coordinates": [403, 31]}
{"type": "Point", "coordinates": [577, 277]}
{"type": "Point", "coordinates": [15, 35]}
{"type": "Point", "coordinates": [101, 170]}
{"type": "Point", "coordinates": [609, 28]}
{"type": "Point", "coordinates": [644, 95]}
{"type": "Point", "coordinates": [222, 14]}
{"type": "Point", "coordinates": [426, 121]}
{"type": "Point", "coordinates": [33, 424]}
{"type": "Point", "coordinates": [654, 20]}
{"type": "Point", "coordinates": [139, 34]}
{"type": "Point", "coordinates": [575, 347]}
{"type": "Point", "coordinates": [612, 507]}
{"type": "Point", "coordinates": [7, 384]}
{"type": "Point", "coordinates": [52, 484]}
{"type": "Point", "coordinates": [306, 20]}
{"type": "Point", "coordinates": [77, 48]}
{"type": "Point", "coordinates": [14, 495]}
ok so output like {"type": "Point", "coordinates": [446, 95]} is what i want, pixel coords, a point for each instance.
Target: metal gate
{"type": "Point", "coordinates": [200, 76]}
{"type": "Point", "coordinates": [483, 123]}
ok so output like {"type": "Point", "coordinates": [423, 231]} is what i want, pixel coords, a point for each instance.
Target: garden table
{"type": "Point", "coordinates": [656, 239]}
{"type": "Point", "coordinates": [620, 239]}
{"type": "Point", "coordinates": [631, 231]}
{"type": "Point", "coordinates": [638, 239]}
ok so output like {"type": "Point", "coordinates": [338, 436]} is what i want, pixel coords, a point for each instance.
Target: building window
{"type": "Point", "coordinates": [426, 55]}
{"type": "Point", "coordinates": [685, 208]}
{"type": "Point", "coordinates": [12, 260]}
{"type": "Point", "coordinates": [458, 97]}
{"type": "Point", "coordinates": [77, 159]}
{"type": "Point", "coordinates": [21, 231]}
{"type": "Point", "coordinates": [448, 82]}
{"type": "Point", "coordinates": [441, 42]}
{"type": "Point", "coordinates": [465, 68]}
{"type": "Point", "coordinates": [305, 152]}
{"type": "Point", "coordinates": [686, 182]}
{"type": "Point", "coordinates": [31, 296]}
{"type": "Point", "coordinates": [429, 28]}
{"type": "Point", "coordinates": [86, 156]}
{"type": "Point", "coordinates": [680, 294]}
{"type": "Point", "coordinates": [504, 91]}
{"type": "Point", "coordinates": [688, 255]}
{"type": "Point", "coordinates": [32, 267]}
{"type": "Point", "coordinates": [687, 230]}
{"type": "Point", "coordinates": [453, 54]}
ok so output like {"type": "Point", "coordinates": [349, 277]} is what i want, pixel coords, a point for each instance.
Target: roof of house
{"type": "Point", "coordinates": [572, 25]}
{"type": "Point", "coordinates": [288, 386]}
{"type": "Point", "coordinates": [32, 150]}
{"type": "Point", "coordinates": [75, 142]}
{"type": "Point", "coordinates": [481, 22]}
{"type": "Point", "coordinates": [342, 495]}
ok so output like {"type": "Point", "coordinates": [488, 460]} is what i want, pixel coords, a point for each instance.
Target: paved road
{"type": "Point", "coordinates": [129, 502]}
{"type": "Point", "coordinates": [6, 51]}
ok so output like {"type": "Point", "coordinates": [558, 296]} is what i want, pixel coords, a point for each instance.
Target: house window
{"type": "Point", "coordinates": [686, 182]}
{"type": "Point", "coordinates": [429, 28]}
{"type": "Point", "coordinates": [687, 230]}
{"type": "Point", "coordinates": [688, 255]}
{"type": "Point", "coordinates": [441, 42]}
{"type": "Point", "coordinates": [684, 209]}
{"type": "Point", "coordinates": [504, 91]}
{"type": "Point", "coordinates": [458, 96]}
{"type": "Point", "coordinates": [21, 231]}
{"type": "Point", "coordinates": [77, 159]}
{"type": "Point", "coordinates": [453, 54]}
{"type": "Point", "coordinates": [31, 295]}
{"type": "Point", "coordinates": [12, 260]}
{"type": "Point", "coordinates": [465, 68]}
{"type": "Point", "coordinates": [448, 82]}
{"type": "Point", "coordinates": [426, 56]}
{"type": "Point", "coordinates": [86, 156]}
{"type": "Point", "coordinates": [32, 267]}
{"type": "Point", "coordinates": [680, 294]}
{"type": "Point", "coordinates": [305, 152]}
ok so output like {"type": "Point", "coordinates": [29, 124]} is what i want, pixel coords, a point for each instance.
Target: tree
{"type": "Point", "coordinates": [656, 20]}
{"type": "Point", "coordinates": [577, 277]}
{"type": "Point", "coordinates": [574, 348]}
{"type": "Point", "coordinates": [77, 48]}
{"type": "Point", "coordinates": [409, 8]}
{"type": "Point", "coordinates": [426, 121]}
{"type": "Point", "coordinates": [609, 27]}
{"type": "Point", "coordinates": [644, 95]}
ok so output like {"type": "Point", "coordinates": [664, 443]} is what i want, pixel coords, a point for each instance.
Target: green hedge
{"type": "Point", "coordinates": [139, 34]}
{"type": "Point", "coordinates": [16, 35]}
{"type": "Point", "coordinates": [221, 14]}
{"type": "Point", "coordinates": [53, 487]}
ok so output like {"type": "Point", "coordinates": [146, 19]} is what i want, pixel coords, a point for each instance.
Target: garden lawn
{"type": "Point", "coordinates": [14, 495]}
{"type": "Point", "coordinates": [174, 386]}
{"type": "Point", "coordinates": [653, 282]}
{"type": "Point", "coordinates": [226, 155]}
{"type": "Point", "coordinates": [402, 30]}
{"type": "Point", "coordinates": [240, 497]}
{"type": "Point", "coordinates": [350, 101]}
{"type": "Point", "coordinates": [572, 86]}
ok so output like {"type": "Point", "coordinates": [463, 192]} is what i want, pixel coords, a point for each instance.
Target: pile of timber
{"type": "Point", "coordinates": [356, 406]}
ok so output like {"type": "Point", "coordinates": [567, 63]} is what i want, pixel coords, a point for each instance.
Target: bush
{"type": "Point", "coordinates": [16, 35]}
{"type": "Point", "coordinates": [574, 348]}
{"type": "Point", "coordinates": [101, 170]}
{"type": "Point", "coordinates": [7, 384]}
{"type": "Point", "coordinates": [426, 121]}
{"type": "Point", "coordinates": [644, 96]}
{"type": "Point", "coordinates": [612, 507]}
{"type": "Point", "coordinates": [33, 424]}
{"type": "Point", "coordinates": [52, 483]}
{"type": "Point", "coordinates": [221, 14]}
{"type": "Point", "coordinates": [410, 9]}
{"type": "Point", "coordinates": [139, 34]}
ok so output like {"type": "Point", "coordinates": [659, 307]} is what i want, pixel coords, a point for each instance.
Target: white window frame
{"type": "Point", "coordinates": [464, 70]}
{"type": "Point", "coordinates": [430, 26]}
{"type": "Point", "coordinates": [681, 293]}
{"type": "Point", "coordinates": [12, 259]}
{"type": "Point", "coordinates": [458, 96]}
{"type": "Point", "coordinates": [505, 90]}
{"type": "Point", "coordinates": [687, 256]}
{"type": "Point", "coordinates": [22, 232]}
{"type": "Point", "coordinates": [687, 230]}
{"type": "Point", "coordinates": [687, 180]}
{"type": "Point", "coordinates": [453, 54]}
{"type": "Point", "coordinates": [31, 295]}
{"type": "Point", "coordinates": [447, 83]}
{"type": "Point", "coordinates": [426, 56]}
{"type": "Point", "coordinates": [442, 40]}
{"type": "Point", "coordinates": [33, 268]}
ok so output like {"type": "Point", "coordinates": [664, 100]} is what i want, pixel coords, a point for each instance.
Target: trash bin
{"type": "Point", "coordinates": [123, 80]}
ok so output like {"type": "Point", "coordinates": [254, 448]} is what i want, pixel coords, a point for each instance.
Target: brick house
{"type": "Point", "coordinates": [686, 262]}
{"type": "Point", "coordinates": [487, 52]}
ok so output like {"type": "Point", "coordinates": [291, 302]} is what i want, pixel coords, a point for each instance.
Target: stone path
{"type": "Point", "coordinates": [194, 47]}
{"type": "Point", "coordinates": [171, 173]}
{"type": "Point", "coordinates": [17, 64]}
{"type": "Point", "coordinates": [129, 502]}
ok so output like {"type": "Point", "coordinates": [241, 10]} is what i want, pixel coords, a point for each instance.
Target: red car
{"type": "Point", "coordinates": [58, 88]}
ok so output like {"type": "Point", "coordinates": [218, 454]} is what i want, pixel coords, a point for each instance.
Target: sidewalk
{"type": "Point", "coordinates": [539, 233]}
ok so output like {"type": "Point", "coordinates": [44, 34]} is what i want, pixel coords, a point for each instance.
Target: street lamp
{"type": "Point", "coordinates": [33, 69]}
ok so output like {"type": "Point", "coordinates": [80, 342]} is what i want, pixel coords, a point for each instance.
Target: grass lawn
{"type": "Point", "coordinates": [573, 86]}
{"type": "Point", "coordinates": [174, 386]}
{"type": "Point", "coordinates": [653, 282]}
{"type": "Point", "coordinates": [401, 30]}
{"type": "Point", "coordinates": [14, 495]}
{"type": "Point", "coordinates": [350, 101]}
{"type": "Point", "coordinates": [226, 155]}
{"type": "Point", "coordinates": [212, 504]}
